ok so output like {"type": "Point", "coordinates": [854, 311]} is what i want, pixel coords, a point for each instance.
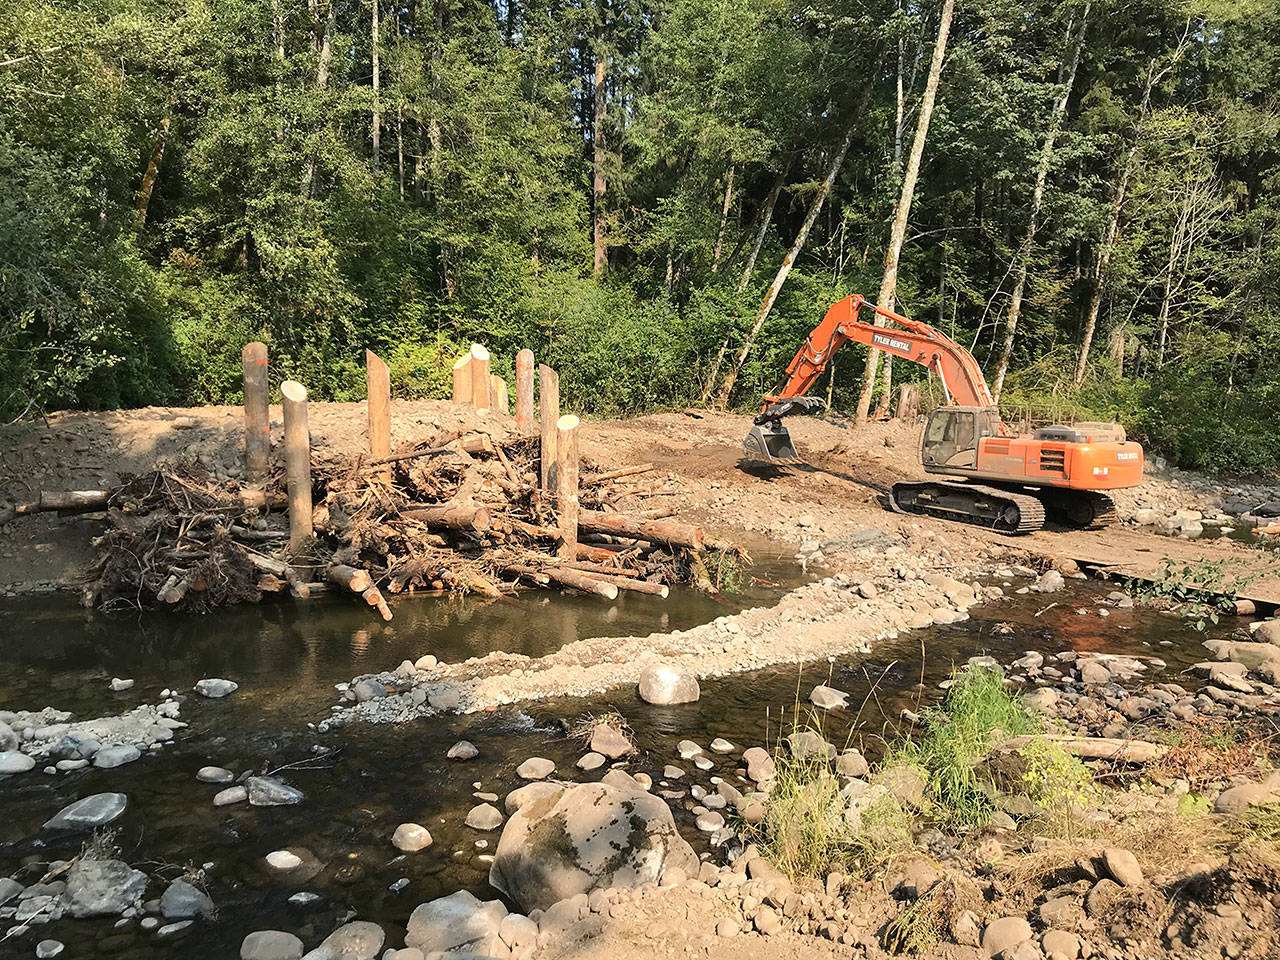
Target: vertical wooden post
{"type": "Point", "coordinates": [462, 379]}
{"type": "Point", "coordinates": [549, 399]}
{"type": "Point", "coordinates": [257, 418]}
{"type": "Point", "coordinates": [297, 461]}
{"type": "Point", "coordinates": [498, 396]}
{"type": "Point", "coordinates": [524, 391]}
{"type": "Point", "coordinates": [567, 485]}
{"type": "Point", "coordinates": [378, 386]}
{"type": "Point", "coordinates": [480, 385]}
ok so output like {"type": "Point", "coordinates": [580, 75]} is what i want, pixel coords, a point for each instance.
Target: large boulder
{"type": "Point", "coordinates": [663, 684]}
{"type": "Point", "coordinates": [100, 888]}
{"type": "Point", "coordinates": [1268, 631]}
{"type": "Point", "coordinates": [577, 839]}
{"type": "Point", "coordinates": [458, 923]}
{"type": "Point", "coordinates": [1260, 658]}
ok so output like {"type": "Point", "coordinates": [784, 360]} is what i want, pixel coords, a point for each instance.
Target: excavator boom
{"type": "Point", "coordinates": [912, 340]}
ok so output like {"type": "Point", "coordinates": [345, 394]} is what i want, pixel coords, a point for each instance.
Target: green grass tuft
{"type": "Point", "coordinates": [977, 713]}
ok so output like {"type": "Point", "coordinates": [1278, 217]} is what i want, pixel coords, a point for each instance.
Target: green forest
{"type": "Point", "coordinates": [659, 197]}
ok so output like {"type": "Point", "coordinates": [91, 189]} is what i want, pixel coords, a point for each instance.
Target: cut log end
{"type": "Point", "coordinates": [293, 391]}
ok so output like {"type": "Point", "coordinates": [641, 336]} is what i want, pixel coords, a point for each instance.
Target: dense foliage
{"type": "Point", "coordinates": [589, 178]}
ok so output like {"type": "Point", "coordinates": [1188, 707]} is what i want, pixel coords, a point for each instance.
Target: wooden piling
{"type": "Point", "coordinates": [567, 485]}
{"type": "Point", "coordinates": [462, 379]}
{"type": "Point", "coordinates": [549, 400]}
{"type": "Point", "coordinates": [499, 397]}
{"type": "Point", "coordinates": [378, 386]}
{"type": "Point", "coordinates": [524, 391]}
{"type": "Point", "coordinates": [297, 460]}
{"type": "Point", "coordinates": [257, 419]}
{"type": "Point", "coordinates": [480, 385]}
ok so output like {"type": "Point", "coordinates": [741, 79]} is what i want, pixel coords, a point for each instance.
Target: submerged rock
{"type": "Point", "coordinates": [237, 794]}
{"type": "Point", "coordinates": [88, 813]}
{"type": "Point", "coordinates": [663, 684]}
{"type": "Point", "coordinates": [578, 838]}
{"type": "Point", "coordinates": [182, 901]}
{"type": "Point", "coordinates": [458, 923]}
{"type": "Point", "coordinates": [215, 688]}
{"type": "Point", "coordinates": [97, 888]}
{"type": "Point", "coordinates": [270, 792]}
{"type": "Point", "coordinates": [411, 837]}
{"type": "Point", "coordinates": [463, 750]}
{"type": "Point", "coordinates": [214, 775]}
{"type": "Point", "coordinates": [828, 698]}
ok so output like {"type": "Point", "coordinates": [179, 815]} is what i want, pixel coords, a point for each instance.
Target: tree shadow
{"type": "Point", "coordinates": [770, 472]}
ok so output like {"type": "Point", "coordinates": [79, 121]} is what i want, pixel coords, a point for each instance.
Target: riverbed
{"type": "Point", "coordinates": [361, 781]}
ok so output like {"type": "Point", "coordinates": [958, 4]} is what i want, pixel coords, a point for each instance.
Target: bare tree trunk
{"type": "Point", "coordinates": [1037, 199]}
{"type": "Point", "coordinates": [1117, 205]}
{"type": "Point", "coordinates": [771, 295]}
{"type": "Point", "coordinates": [766, 218]}
{"type": "Point", "coordinates": [322, 81]}
{"type": "Point", "coordinates": [598, 159]}
{"type": "Point", "coordinates": [724, 220]}
{"type": "Point", "coordinates": [898, 232]}
{"type": "Point", "coordinates": [377, 83]}
{"type": "Point", "coordinates": [153, 171]}
{"type": "Point", "coordinates": [400, 148]}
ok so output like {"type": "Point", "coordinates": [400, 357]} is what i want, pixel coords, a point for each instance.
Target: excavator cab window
{"type": "Point", "coordinates": [949, 438]}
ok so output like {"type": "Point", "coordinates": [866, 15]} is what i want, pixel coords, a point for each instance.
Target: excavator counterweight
{"type": "Point", "coordinates": [1003, 479]}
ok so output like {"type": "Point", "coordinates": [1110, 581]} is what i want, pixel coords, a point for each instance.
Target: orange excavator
{"type": "Point", "coordinates": [1005, 480]}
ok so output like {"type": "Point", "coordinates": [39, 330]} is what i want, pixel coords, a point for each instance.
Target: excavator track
{"type": "Point", "coordinates": [1079, 509]}
{"type": "Point", "coordinates": [1001, 510]}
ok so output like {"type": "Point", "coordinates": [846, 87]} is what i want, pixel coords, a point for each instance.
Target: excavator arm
{"type": "Point", "coordinates": [961, 377]}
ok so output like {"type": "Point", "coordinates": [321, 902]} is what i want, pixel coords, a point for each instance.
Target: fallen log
{"type": "Point", "coordinates": [569, 578]}
{"type": "Point", "coordinates": [634, 585]}
{"type": "Point", "coordinates": [373, 597]}
{"type": "Point", "coordinates": [277, 568]}
{"type": "Point", "coordinates": [352, 578]}
{"type": "Point", "coordinates": [467, 517]}
{"type": "Point", "coordinates": [63, 501]}
{"type": "Point", "coordinates": [664, 532]}
{"type": "Point", "coordinates": [1093, 748]}
{"type": "Point", "coordinates": [617, 474]}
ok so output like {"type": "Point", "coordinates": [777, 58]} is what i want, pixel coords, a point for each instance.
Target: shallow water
{"type": "Point", "coordinates": [286, 658]}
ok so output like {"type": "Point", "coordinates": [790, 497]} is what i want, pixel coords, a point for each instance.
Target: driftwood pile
{"type": "Point", "coordinates": [459, 512]}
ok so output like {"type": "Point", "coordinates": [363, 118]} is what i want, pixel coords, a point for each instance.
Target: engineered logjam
{"type": "Point", "coordinates": [459, 511]}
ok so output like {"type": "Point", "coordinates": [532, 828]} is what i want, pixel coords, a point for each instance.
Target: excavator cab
{"type": "Point", "coordinates": [951, 436]}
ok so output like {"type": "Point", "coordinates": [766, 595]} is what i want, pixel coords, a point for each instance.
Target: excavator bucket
{"type": "Point", "coordinates": [770, 442]}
